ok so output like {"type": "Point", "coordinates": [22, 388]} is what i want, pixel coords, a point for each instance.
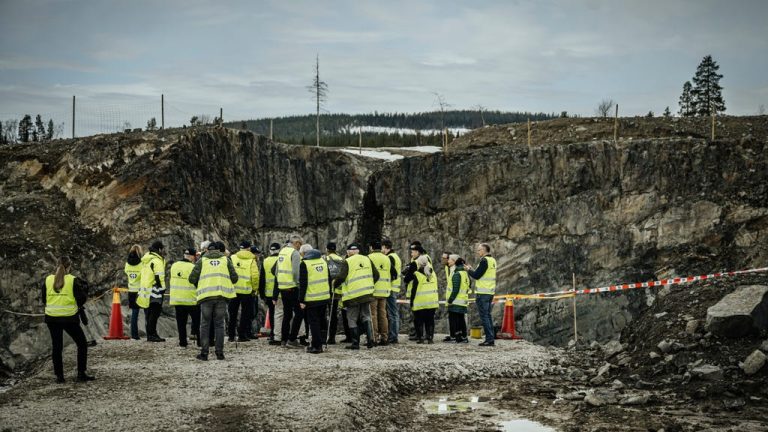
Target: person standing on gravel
{"type": "Point", "coordinates": [334, 265]}
{"type": "Point", "coordinates": [214, 277]}
{"type": "Point", "coordinates": [267, 288]}
{"type": "Point", "coordinates": [393, 312]}
{"type": "Point", "coordinates": [287, 276]}
{"type": "Point", "coordinates": [133, 273]}
{"type": "Point", "coordinates": [416, 250]}
{"type": "Point", "coordinates": [424, 299]}
{"type": "Point", "coordinates": [64, 296]}
{"type": "Point", "coordinates": [314, 293]}
{"type": "Point", "coordinates": [456, 298]}
{"type": "Point", "coordinates": [152, 289]}
{"type": "Point", "coordinates": [381, 293]}
{"type": "Point", "coordinates": [183, 297]}
{"type": "Point", "coordinates": [485, 288]}
{"type": "Point", "coordinates": [357, 277]}
{"type": "Point", "coordinates": [247, 268]}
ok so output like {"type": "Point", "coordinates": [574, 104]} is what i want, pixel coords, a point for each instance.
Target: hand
{"type": "Point", "coordinates": [83, 318]}
{"type": "Point", "coordinates": [302, 305]}
{"type": "Point", "coordinates": [274, 302]}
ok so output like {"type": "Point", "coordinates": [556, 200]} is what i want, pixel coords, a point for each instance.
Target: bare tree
{"type": "Point", "coordinates": [761, 110]}
{"type": "Point", "coordinates": [319, 90]}
{"type": "Point", "coordinates": [604, 107]}
{"type": "Point", "coordinates": [480, 109]}
{"type": "Point", "coordinates": [442, 105]}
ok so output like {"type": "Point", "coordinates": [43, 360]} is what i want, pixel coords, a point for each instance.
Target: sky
{"type": "Point", "coordinates": [255, 59]}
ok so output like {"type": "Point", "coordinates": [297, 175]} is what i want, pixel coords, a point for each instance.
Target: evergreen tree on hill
{"type": "Point", "coordinates": [686, 101]}
{"type": "Point", "coordinates": [707, 92]}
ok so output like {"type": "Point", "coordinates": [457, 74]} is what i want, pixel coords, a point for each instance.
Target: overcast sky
{"type": "Point", "coordinates": [255, 59]}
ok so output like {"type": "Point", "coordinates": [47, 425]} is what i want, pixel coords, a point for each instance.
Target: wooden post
{"type": "Point", "coordinates": [270, 129]}
{"type": "Point", "coordinates": [529, 132]}
{"type": "Point", "coordinates": [162, 111]}
{"type": "Point", "coordinates": [360, 139]}
{"type": "Point", "coordinates": [73, 116]}
{"type": "Point", "coordinates": [221, 116]}
{"type": "Point", "coordinates": [575, 330]}
{"type": "Point", "coordinates": [616, 124]}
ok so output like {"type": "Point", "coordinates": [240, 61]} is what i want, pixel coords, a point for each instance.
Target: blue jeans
{"type": "Point", "coordinates": [484, 306]}
{"type": "Point", "coordinates": [393, 315]}
{"type": "Point", "coordinates": [135, 323]}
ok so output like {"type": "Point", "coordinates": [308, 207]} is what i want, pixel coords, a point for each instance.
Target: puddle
{"type": "Point", "coordinates": [446, 405]}
{"type": "Point", "coordinates": [521, 425]}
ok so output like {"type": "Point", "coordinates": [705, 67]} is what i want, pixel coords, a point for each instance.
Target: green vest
{"type": "Point", "coordinates": [463, 296]}
{"type": "Point", "coordinates": [62, 303]}
{"type": "Point", "coordinates": [134, 277]}
{"type": "Point", "coordinates": [285, 269]}
{"type": "Point", "coordinates": [318, 288]}
{"type": "Point", "coordinates": [269, 278]}
{"type": "Point", "coordinates": [182, 292]}
{"type": "Point", "coordinates": [426, 293]}
{"type": "Point", "coordinates": [383, 286]}
{"type": "Point", "coordinates": [243, 270]}
{"type": "Point", "coordinates": [214, 279]}
{"type": "Point", "coordinates": [487, 283]}
{"type": "Point", "coordinates": [398, 269]}
{"type": "Point", "coordinates": [332, 256]}
{"type": "Point", "coordinates": [359, 281]}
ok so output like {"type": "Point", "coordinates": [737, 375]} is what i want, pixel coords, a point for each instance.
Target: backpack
{"type": "Point", "coordinates": [334, 267]}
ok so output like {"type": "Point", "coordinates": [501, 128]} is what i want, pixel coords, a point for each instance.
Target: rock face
{"type": "Point", "coordinates": [739, 313]}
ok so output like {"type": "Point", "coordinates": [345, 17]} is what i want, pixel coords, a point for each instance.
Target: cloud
{"type": "Point", "coordinates": [28, 63]}
{"type": "Point", "coordinates": [445, 59]}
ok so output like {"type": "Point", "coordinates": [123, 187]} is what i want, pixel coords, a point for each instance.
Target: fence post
{"type": "Point", "coordinates": [575, 327]}
{"type": "Point", "coordinates": [616, 125]}
{"type": "Point", "coordinates": [162, 111]}
{"type": "Point", "coordinates": [270, 129]}
{"type": "Point", "coordinates": [73, 116]}
{"type": "Point", "coordinates": [360, 139]}
{"type": "Point", "coordinates": [221, 115]}
{"type": "Point", "coordinates": [529, 133]}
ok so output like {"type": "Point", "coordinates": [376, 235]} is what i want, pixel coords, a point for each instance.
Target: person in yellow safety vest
{"type": "Point", "coordinates": [424, 299]}
{"type": "Point", "coordinates": [133, 273]}
{"type": "Point", "coordinates": [314, 295]}
{"type": "Point", "coordinates": [214, 277]}
{"type": "Point", "coordinates": [254, 304]}
{"type": "Point", "coordinates": [457, 298]}
{"type": "Point", "coordinates": [152, 289]}
{"type": "Point", "coordinates": [64, 296]}
{"type": "Point", "coordinates": [485, 288]}
{"type": "Point", "coordinates": [447, 274]}
{"type": "Point", "coordinates": [334, 260]}
{"type": "Point", "coordinates": [393, 311]}
{"type": "Point", "coordinates": [247, 268]}
{"type": "Point", "coordinates": [416, 251]}
{"type": "Point", "coordinates": [382, 291]}
{"type": "Point", "coordinates": [183, 297]}
{"type": "Point", "coordinates": [357, 276]}
{"type": "Point", "coordinates": [267, 288]}
{"type": "Point", "coordinates": [287, 275]}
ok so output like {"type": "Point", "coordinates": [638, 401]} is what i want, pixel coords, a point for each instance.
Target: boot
{"type": "Point", "coordinates": [354, 334]}
{"type": "Point", "coordinates": [368, 335]}
{"type": "Point", "coordinates": [83, 377]}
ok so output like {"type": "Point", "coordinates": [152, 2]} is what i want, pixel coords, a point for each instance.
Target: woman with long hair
{"type": "Point", "coordinates": [133, 273]}
{"type": "Point", "coordinates": [423, 299]}
{"type": "Point", "coordinates": [64, 296]}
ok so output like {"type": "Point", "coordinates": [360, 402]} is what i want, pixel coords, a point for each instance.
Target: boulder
{"type": "Point", "coordinates": [708, 372]}
{"type": "Point", "coordinates": [664, 346]}
{"type": "Point", "coordinates": [634, 400]}
{"type": "Point", "coordinates": [764, 346]}
{"type": "Point", "coordinates": [691, 326]}
{"type": "Point", "coordinates": [739, 313]}
{"type": "Point", "coordinates": [612, 348]}
{"type": "Point", "coordinates": [594, 400]}
{"type": "Point", "coordinates": [753, 363]}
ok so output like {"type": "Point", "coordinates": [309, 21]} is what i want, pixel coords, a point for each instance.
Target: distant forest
{"type": "Point", "coordinates": [334, 127]}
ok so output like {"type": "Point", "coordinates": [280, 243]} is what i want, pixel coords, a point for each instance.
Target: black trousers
{"type": "Point", "coordinates": [424, 322]}
{"type": "Point", "coordinates": [457, 324]}
{"type": "Point", "coordinates": [182, 314]}
{"type": "Point", "coordinates": [271, 314]}
{"type": "Point", "coordinates": [317, 324]}
{"type": "Point", "coordinates": [335, 319]}
{"type": "Point", "coordinates": [252, 315]}
{"type": "Point", "coordinates": [292, 315]}
{"type": "Point", "coordinates": [244, 303]}
{"type": "Point", "coordinates": [152, 314]}
{"type": "Point", "coordinates": [74, 331]}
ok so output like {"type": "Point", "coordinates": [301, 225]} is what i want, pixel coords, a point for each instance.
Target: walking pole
{"type": "Point", "coordinates": [330, 311]}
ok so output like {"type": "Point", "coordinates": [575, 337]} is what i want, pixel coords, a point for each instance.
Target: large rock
{"type": "Point", "coordinates": [753, 363]}
{"type": "Point", "coordinates": [740, 313]}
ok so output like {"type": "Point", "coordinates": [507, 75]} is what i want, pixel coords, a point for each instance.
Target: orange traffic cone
{"type": "Point", "coordinates": [116, 320]}
{"type": "Point", "coordinates": [267, 326]}
{"type": "Point", "coordinates": [508, 324]}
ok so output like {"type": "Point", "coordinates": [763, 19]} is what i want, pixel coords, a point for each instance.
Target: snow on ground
{"type": "Point", "coordinates": [401, 131]}
{"type": "Point", "coordinates": [377, 154]}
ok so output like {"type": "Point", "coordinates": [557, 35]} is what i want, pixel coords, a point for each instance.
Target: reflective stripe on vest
{"type": "Point", "coordinates": [269, 278]}
{"type": "Point", "coordinates": [243, 270]}
{"type": "Point", "coordinates": [133, 272]}
{"type": "Point", "coordinates": [148, 290]}
{"type": "Point", "coordinates": [318, 288]}
{"type": "Point", "coordinates": [359, 280]}
{"type": "Point", "coordinates": [383, 286]}
{"type": "Point", "coordinates": [426, 292]}
{"type": "Point", "coordinates": [463, 296]}
{"type": "Point", "coordinates": [398, 269]}
{"type": "Point", "coordinates": [182, 292]}
{"type": "Point", "coordinates": [214, 279]}
{"type": "Point", "coordinates": [487, 282]}
{"type": "Point", "coordinates": [62, 303]}
{"type": "Point", "coordinates": [285, 269]}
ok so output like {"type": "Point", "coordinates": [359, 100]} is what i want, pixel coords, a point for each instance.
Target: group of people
{"type": "Point", "coordinates": [303, 290]}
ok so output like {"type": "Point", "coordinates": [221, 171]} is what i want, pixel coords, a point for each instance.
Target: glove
{"type": "Point", "coordinates": [83, 317]}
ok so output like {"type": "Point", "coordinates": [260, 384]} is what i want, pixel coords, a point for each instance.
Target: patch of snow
{"type": "Point", "coordinates": [401, 131]}
{"type": "Point", "coordinates": [376, 154]}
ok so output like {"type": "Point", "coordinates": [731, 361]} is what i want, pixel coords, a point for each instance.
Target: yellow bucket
{"type": "Point", "coordinates": [475, 332]}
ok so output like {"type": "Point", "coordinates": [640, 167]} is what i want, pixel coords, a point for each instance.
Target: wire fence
{"type": "Point", "coordinates": [93, 117]}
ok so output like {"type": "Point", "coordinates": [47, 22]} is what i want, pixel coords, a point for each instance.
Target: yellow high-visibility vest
{"type": "Point", "coordinates": [426, 292]}
{"type": "Point", "coordinates": [383, 286]}
{"type": "Point", "coordinates": [133, 272]}
{"type": "Point", "coordinates": [359, 281]}
{"type": "Point", "coordinates": [62, 303]}
{"type": "Point", "coordinates": [318, 288]}
{"type": "Point", "coordinates": [285, 269]}
{"type": "Point", "coordinates": [182, 292]}
{"type": "Point", "coordinates": [214, 279]}
{"type": "Point", "coordinates": [487, 282]}
{"type": "Point", "coordinates": [398, 268]}
{"type": "Point", "coordinates": [463, 296]}
{"type": "Point", "coordinates": [147, 289]}
{"type": "Point", "coordinates": [269, 278]}
{"type": "Point", "coordinates": [243, 270]}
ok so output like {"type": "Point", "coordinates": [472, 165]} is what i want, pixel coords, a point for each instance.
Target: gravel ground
{"type": "Point", "coordinates": [146, 386]}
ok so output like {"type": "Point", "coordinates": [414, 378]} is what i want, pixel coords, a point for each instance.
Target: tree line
{"type": "Point", "coordinates": [27, 130]}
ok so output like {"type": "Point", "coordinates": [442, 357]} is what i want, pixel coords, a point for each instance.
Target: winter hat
{"type": "Point", "coordinates": [245, 244]}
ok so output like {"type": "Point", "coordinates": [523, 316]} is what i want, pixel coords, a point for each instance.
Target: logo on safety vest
{"type": "Point", "coordinates": [281, 259]}
{"type": "Point", "coordinates": [133, 276]}
{"type": "Point", "coordinates": [215, 263]}
{"type": "Point", "coordinates": [319, 269]}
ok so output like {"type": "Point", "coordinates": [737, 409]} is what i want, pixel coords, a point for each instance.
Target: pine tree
{"type": "Point", "coordinates": [39, 129]}
{"type": "Point", "coordinates": [667, 112]}
{"type": "Point", "coordinates": [707, 92]}
{"type": "Point", "coordinates": [152, 124]}
{"type": "Point", "coordinates": [25, 128]}
{"type": "Point", "coordinates": [49, 132]}
{"type": "Point", "coordinates": [686, 101]}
